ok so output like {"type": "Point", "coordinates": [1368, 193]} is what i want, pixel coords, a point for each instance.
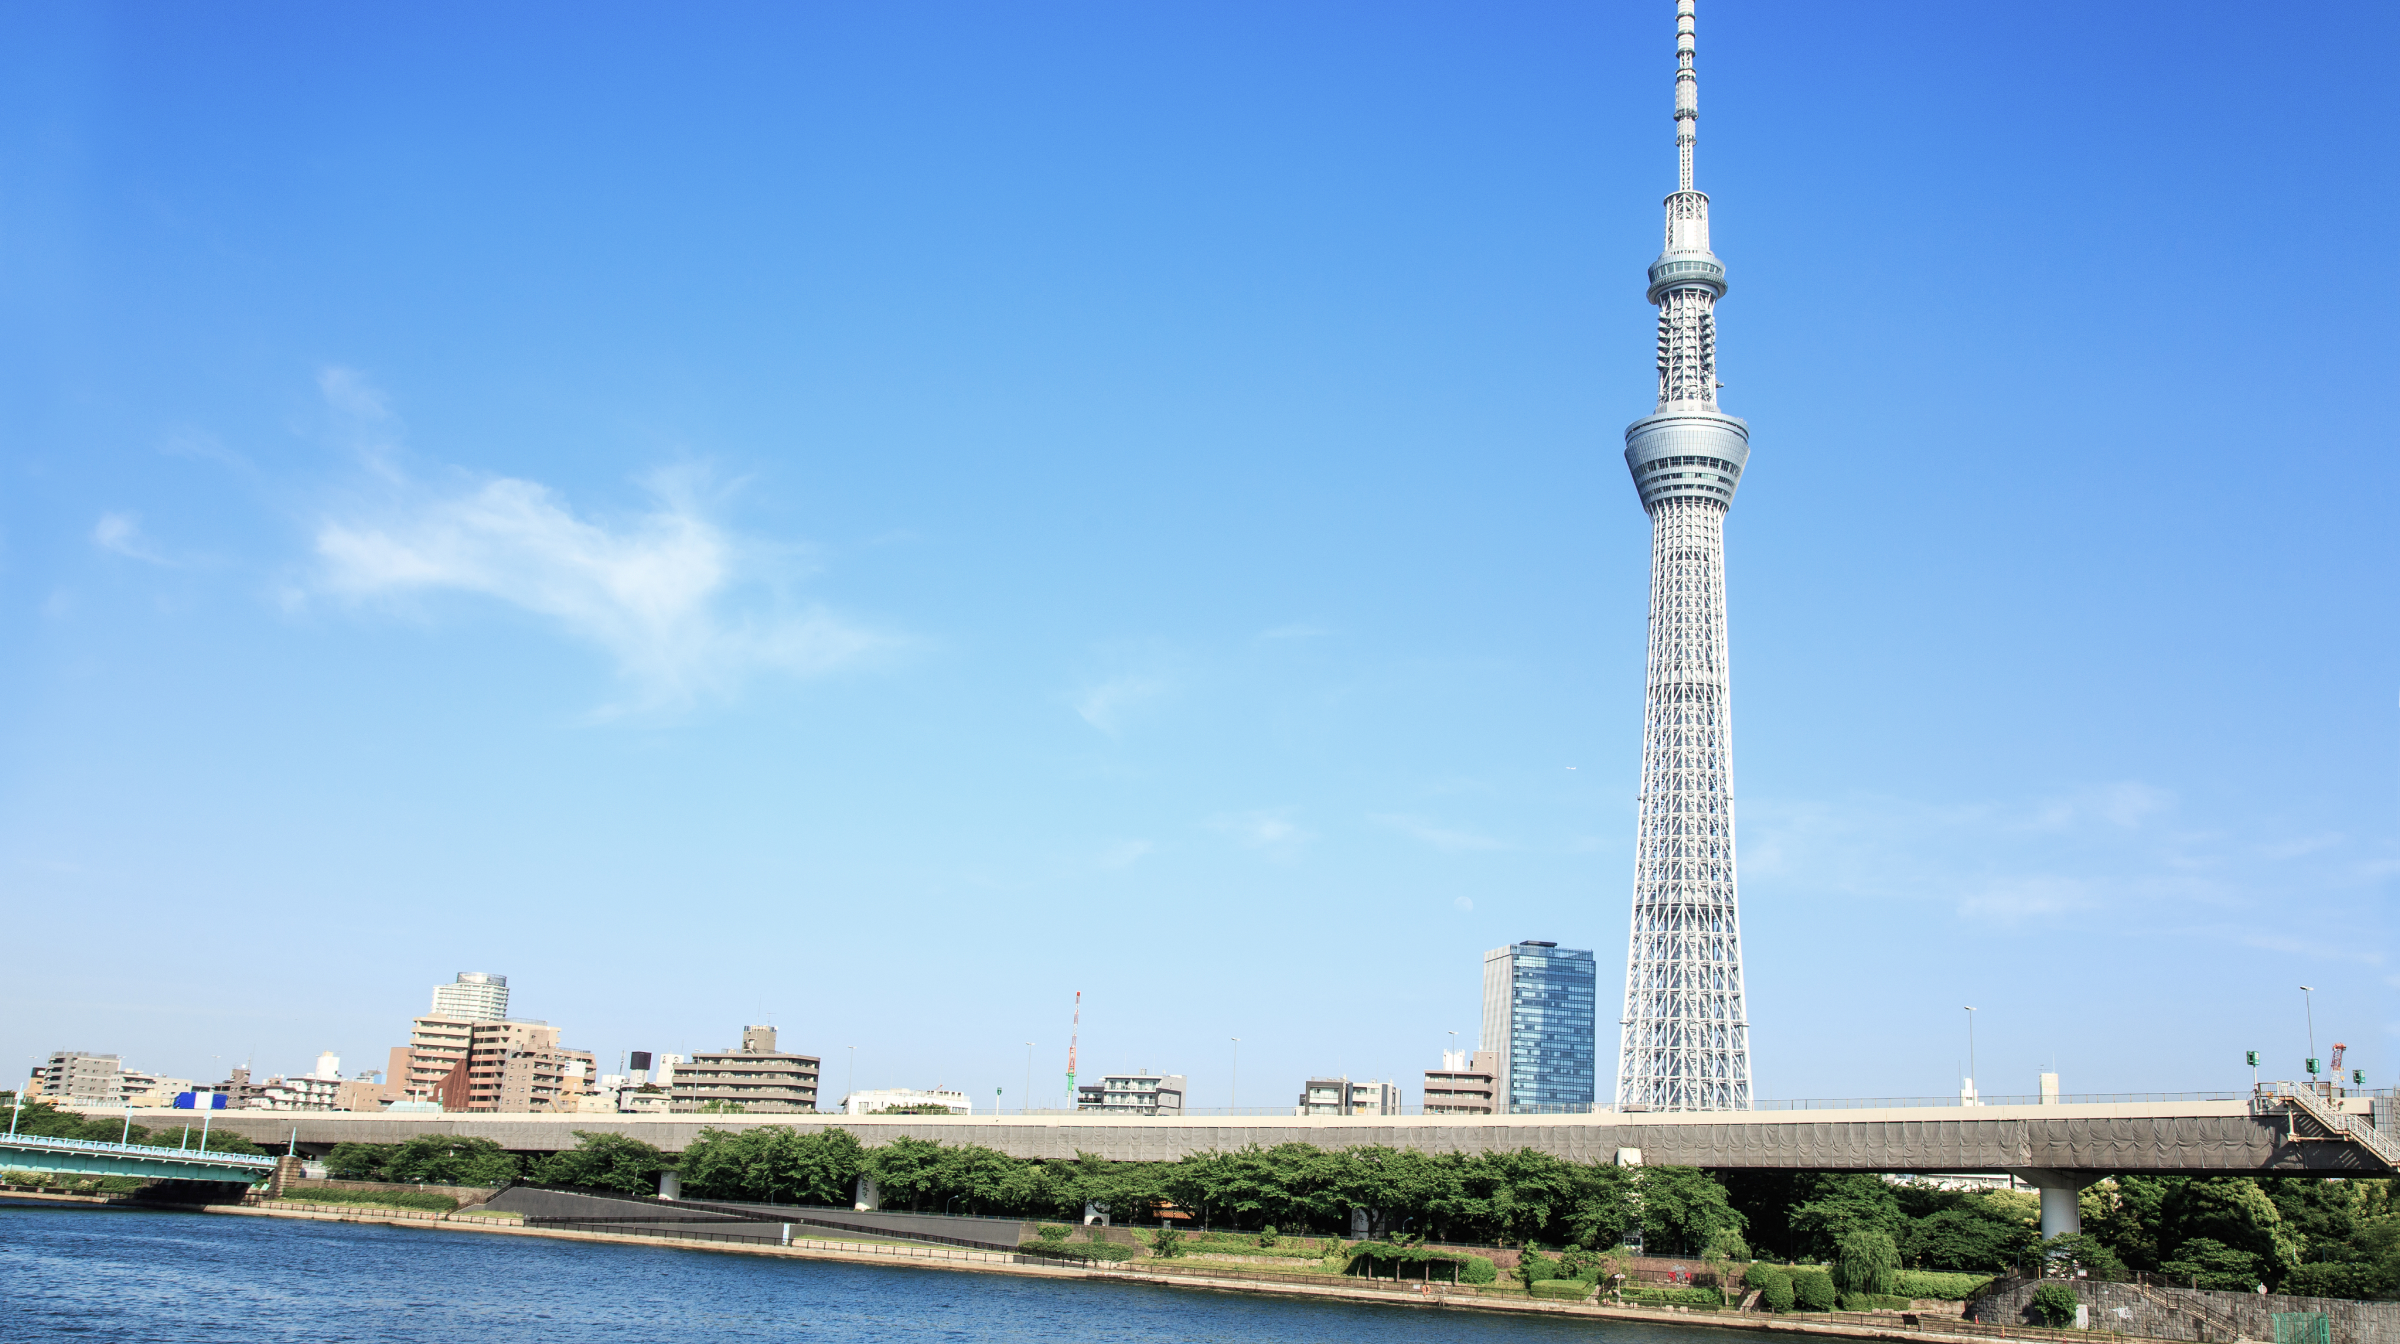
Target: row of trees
{"type": "Point", "coordinates": [1501, 1197]}
{"type": "Point", "coordinates": [2312, 1236]}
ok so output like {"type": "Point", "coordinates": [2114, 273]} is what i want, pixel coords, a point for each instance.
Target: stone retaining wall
{"type": "Point", "coordinates": [2196, 1314]}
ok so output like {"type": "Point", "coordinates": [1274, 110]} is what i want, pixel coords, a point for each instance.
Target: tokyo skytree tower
{"type": "Point", "coordinates": [1686, 1043]}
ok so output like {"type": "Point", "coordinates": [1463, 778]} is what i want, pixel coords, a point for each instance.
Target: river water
{"type": "Point", "coordinates": [185, 1278]}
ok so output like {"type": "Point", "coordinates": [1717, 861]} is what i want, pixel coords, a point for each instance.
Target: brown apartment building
{"type": "Point", "coordinates": [756, 1077]}
{"type": "Point", "coordinates": [1461, 1086]}
{"type": "Point", "coordinates": [512, 1066]}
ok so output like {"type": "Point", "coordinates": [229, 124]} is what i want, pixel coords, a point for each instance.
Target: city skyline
{"type": "Point", "coordinates": [1057, 502]}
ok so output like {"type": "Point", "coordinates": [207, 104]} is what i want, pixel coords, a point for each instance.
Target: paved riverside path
{"type": "Point", "coordinates": [2182, 1137]}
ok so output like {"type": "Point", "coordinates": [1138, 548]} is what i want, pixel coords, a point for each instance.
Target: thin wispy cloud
{"type": "Point", "coordinates": [121, 534]}
{"type": "Point", "coordinates": [2100, 854]}
{"type": "Point", "coordinates": [1448, 839]}
{"type": "Point", "coordinates": [684, 607]}
{"type": "Point", "coordinates": [1271, 830]}
{"type": "Point", "coordinates": [1107, 705]}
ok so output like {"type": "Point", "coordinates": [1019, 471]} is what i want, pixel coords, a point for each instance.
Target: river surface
{"type": "Point", "coordinates": [187, 1278]}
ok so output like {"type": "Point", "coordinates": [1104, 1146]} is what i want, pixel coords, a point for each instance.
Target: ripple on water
{"type": "Point", "coordinates": [126, 1274]}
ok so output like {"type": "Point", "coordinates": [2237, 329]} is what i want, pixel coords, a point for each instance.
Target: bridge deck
{"type": "Point", "coordinates": [2192, 1137]}
{"type": "Point", "coordinates": [85, 1157]}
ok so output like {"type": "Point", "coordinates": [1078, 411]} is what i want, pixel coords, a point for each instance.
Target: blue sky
{"type": "Point", "coordinates": [880, 519]}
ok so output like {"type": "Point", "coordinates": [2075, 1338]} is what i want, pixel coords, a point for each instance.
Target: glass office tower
{"type": "Point", "coordinates": [1538, 1013]}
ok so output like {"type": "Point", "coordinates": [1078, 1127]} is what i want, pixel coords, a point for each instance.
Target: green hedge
{"type": "Point", "coordinates": [1926, 1284]}
{"type": "Point", "coordinates": [1080, 1250]}
{"type": "Point", "coordinates": [1812, 1290]}
{"type": "Point", "coordinates": [1874, 1302]}
{"type": "Point", "coordinates": [1675, 1297]}
{"type": "Point", "coordinates": [390, 1199]}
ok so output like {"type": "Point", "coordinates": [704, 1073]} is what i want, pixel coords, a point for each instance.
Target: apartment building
{"type": "Point", "coordinates": [756, 1078]}
{"type": "Point", "coordinates": [1133, 1094]}
{"type": "Point", "coordinates": [1464, 1085]}
{"type": "Point", "coordinates": [81, 1078]}
{"type": "Point", "coordinates": [1340, 1096]}
{"type": "Point", "coordinates": [477, 996]}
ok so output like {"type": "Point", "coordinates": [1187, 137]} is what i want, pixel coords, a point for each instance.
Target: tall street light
{"type": "Point", "coordinates": [1233, 1092]}
{"type": "Point", "coordinates": [1978, 1093]}
{"type": "Point", "coordinates": [2308, 1005]}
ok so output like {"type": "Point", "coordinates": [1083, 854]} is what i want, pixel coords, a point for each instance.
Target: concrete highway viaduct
{"type": "Point", "coordinates": [2058, 1148]}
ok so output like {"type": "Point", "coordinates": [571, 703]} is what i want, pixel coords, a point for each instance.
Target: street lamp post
{"type": "Point", "coordinates": [1976, 1093]}
{"type": "Point", "coordinates": [1028, 1106]}
{"type": "Point", "coordinates": [2308, 1005]}
{"type": "Point", "coordinates": [1233, 1092]}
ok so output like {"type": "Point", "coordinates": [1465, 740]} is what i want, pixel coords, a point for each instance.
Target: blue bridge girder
{"type": "Point", "coordinates": [86, 1157]}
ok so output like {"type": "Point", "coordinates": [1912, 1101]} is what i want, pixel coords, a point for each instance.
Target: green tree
{"type": "Point", "coordinates": [1684, 1209]}
{"type": "Point", "coordinates": [1836, 1205]}
{"type": "Point", "coordinates": [2235, 1213]}
{"type": "Point", "coordinates": [359, 1161]}
{"type": "Point", "coordinates": [444, 1159]}
{"type": "Point", "coordinates": [2055, 1304]}
{"type": "Point", "coordinates": [2204, 1262]}
{"type": "Point", "coordinates": [605, 1162]}
{"type": "Point", "coordinates": [773, 1164]}
{"type": "Point", "coordinates": [1964, 1238]}
{"type": "Point", "coordinates": [1865, 1262]}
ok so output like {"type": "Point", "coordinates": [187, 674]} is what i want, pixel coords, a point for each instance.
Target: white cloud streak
{"type": "Point", "coordinates": [672, 596]}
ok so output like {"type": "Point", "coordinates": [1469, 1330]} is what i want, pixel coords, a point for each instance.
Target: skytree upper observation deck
{"type": "Point", "coordinates": [1685, 1043]}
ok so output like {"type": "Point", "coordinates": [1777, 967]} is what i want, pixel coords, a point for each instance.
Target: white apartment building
{"type": "Point", "coordinates": [1142, 1093]}
{"type": "Point", "coordinates": [897, 1098]}
{"type": "Point", "coordinates": [477, 996]}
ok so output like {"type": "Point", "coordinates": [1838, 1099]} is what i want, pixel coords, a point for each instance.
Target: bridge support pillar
{"type": "Point", "coordinates": [2062, 1197]}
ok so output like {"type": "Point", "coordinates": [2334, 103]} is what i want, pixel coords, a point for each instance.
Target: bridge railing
{"type": "Point", "coordinates": [1950, 1100]}
{"type": "Point", "coordinates": [150, 1150]}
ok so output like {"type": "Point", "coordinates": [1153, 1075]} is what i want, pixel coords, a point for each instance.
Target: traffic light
{"type": "Point", "coordinates": [2312, 1066]}
{"type": "Point", "coordinates": [2251, 1058]}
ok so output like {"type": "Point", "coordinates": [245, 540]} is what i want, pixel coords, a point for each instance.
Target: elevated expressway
{"type": "Point", "coordinates": [2059, 1148]}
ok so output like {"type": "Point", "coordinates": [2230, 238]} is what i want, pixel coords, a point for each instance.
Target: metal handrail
{"type": "Point", "coordinates": [134, 1149]}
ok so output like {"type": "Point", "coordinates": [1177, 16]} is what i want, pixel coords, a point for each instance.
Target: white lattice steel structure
{"type": "Point", "coordinates": [1686, 1040]}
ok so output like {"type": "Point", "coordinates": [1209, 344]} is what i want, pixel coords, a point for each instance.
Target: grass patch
{"type": "Point", "coordinates": [388, 1199]}
{"type": "Point", "coordinates": [1569, 1289]}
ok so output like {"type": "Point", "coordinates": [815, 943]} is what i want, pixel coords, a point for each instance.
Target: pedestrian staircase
{"type": "Point", "coordinates": [2337, 1123]}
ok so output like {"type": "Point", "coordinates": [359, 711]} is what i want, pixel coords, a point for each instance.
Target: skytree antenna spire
{"type": "Point", "coordinates": [1686, 1033]}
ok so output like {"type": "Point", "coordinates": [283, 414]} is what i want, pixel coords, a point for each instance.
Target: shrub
{"type": "Point", "coordinates": [1053, 1233]}
{"type": "Point", "coordinates": [1873, 1302]}
{"type": "Point", "coordinates": [1774, 1285]}
{"type": "Point", "coordinates": [1534, 1267]}
{"type": "Point", "coordinates": [1477, 1269]}
{"type": "Point", "coordinates": [1812, 1290]}
{"type": "Point", "coordinates": [1866, 1263]}
{"type": "Point", "coordinates": [1675, 1297]}
{"type": "Point", "coordinates": [1919, 1283]}
{"type": "Point", "coordinates": [2054, 1303]}
{"type": "Point", "coordinates": [1166, 1243]}
{"type": "Point", "coordinates": [1080, 1250]}
{"type": "Point", "coordinates": [1267, 1237]}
